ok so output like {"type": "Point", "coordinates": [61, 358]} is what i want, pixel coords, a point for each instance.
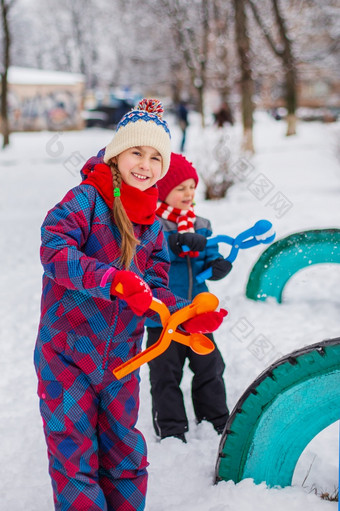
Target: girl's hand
{"type": "Point", "coordinates": [205, 323]}
{"type": "Point", "coordinates": [133, 290]}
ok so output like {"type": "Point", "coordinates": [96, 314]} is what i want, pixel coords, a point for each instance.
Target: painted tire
{"type": "Point", "coordinates": [282, 259]}
{"type": "Point", "coordinates": [279, 414]}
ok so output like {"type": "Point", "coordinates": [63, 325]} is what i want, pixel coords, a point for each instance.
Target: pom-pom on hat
{"type": "Point", "coordinates": [180, 170]}
{"type": "Point", "coordinates": [142, 126]}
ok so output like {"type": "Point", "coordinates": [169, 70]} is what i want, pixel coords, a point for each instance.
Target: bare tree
{"type": "Point", "coordinates": [191, 36]}
{"type": "Point", "coordinates": [182, 46]}
{"type": "Point", "coordinates": [282, 49]}
{"type": "Point", "coordinates": [6, 43]}
{"type": "Point", "coordinates": [71, 46]}
{"type": "Point", "coordinates": [246, 80]}
{"type": "Point", "coordinates": [222, 65]}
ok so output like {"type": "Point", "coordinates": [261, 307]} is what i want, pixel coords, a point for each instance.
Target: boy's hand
{"type": "Point", "coordinates": [205, 323]}
{"type": "Point", "coordinates": [196, 242]}
{"type": "Point", "coordinates": [133, 290]}
{"type": "Point", "coordinates": [220, 268]}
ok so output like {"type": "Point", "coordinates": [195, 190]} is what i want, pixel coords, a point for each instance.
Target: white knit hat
{"type": "Point", "coordinates": [142, 126]}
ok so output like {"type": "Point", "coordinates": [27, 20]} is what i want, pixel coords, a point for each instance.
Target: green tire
{"type": "Point", "coordinates": [279, 414]}
{"type": "Point", "coordinates": [282, 259]}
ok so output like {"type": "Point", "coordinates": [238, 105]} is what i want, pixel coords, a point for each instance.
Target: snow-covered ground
{"type": "Point", "coordinates": [37, 170]}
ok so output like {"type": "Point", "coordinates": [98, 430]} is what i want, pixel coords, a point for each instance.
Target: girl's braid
{"type": "Point", "coordinates": [116, 176]}
{"type": "Point", "coordinates": [124, 224]}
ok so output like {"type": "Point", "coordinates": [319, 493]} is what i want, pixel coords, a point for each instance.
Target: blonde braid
{"type": "Point", "coordinates": [124, 224]}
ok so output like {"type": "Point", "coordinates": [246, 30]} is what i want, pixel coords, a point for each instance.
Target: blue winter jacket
{"type": "Point", "coordinates": [183, 270]}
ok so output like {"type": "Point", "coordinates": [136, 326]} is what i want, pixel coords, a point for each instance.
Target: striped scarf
{"type": "Point", "coordinates": [184, 218]}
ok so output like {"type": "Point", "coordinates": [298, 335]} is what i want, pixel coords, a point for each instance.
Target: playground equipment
{"type": "Point", "coordinates": [261, 232]}
{"type": "Point", "coordinates": [279, 414]}
{"type": "Point", "coordinates": [199, 343]}
{"type": "Point", "coordinates": [281, 260]}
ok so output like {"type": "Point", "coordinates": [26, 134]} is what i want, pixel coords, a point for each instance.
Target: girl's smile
{"type": "Point", "coordinates": [139, 176]}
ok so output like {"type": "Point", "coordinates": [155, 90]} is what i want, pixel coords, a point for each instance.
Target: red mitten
{"type": "Point", "coordinates": [133, 290]}
{"type": "Point", "coordinates": [205, 323]}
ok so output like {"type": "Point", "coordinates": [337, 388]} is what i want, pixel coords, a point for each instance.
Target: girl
{"type": "Point", "coordinates": [182, 227]}
{"type": "Point", "coordinates": [101, 234]}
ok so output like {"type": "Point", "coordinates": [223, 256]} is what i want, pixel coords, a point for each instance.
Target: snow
{"type": "Point", "coordinates": [30, 76]}
{"type": "Point", "coordinates": [37, 170]}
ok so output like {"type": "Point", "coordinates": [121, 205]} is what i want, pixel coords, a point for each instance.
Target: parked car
{"type": "Point", "coordinates": [106, 116]}
{"type": "Point", "coordinates": [325, 114]}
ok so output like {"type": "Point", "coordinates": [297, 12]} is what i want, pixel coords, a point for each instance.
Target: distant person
{"type": "Point", "coordinates": [224, 115]}
{"type": "Point", "coordinates": [183, 228]}
{"type": "Point", "coordinates": [183, 121]}
{"type": "Point", "coordinates": [275, 114]}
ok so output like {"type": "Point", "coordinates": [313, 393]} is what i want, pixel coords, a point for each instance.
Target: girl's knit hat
{"type": "Point", "coordinates": [180, 170]}
{"type": "Point", "coordinates": [142, 126]}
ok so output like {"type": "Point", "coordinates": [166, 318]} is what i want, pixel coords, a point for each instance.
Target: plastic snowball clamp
{"type": "Point", "coordinates": [199, 343]}
{"type": "Point", "coordinates": [261, 232]}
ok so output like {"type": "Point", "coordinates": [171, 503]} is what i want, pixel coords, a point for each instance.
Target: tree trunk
{"type": "Point", "coordinates": [193, 49]}
{"type": "Point", "coordinates": [4, 115]}
{"type": "Point", "coordinates": [5, 129]}
{"type": "Point", "coordinates": [290, 71]}
{"type": "Point", "coordinates": [291, 95]}
{"type": "Point", "coordinates": [246, 82]}
{"type": "Point", "coordinates": [222, 55]}
{"type": "Point", "coordinates": [291, 101]}
{"type": "Point", "coordinates": [283, 50]}
{"type": "Point", "coordinates": [200, 91]}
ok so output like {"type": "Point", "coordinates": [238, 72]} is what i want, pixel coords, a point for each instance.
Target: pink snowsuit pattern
{"type": "Point", "coordinates": [97, 457]}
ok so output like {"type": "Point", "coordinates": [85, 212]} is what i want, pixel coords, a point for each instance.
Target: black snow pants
{"type": "Point", "coordinates": [207, 389]}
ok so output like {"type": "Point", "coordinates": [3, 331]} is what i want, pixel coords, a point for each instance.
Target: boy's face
{"type": "Point", "coordinates": [182, 196]}
{"type": "Point", "coordinates": [140, 167]}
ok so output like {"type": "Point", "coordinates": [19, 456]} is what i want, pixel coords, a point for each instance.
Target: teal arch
{"type": "Point", "coordinates": [282, 259]}
{"type": "Point", "coordinates": [279, 414]}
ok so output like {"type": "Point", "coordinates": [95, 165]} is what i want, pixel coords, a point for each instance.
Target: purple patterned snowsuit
{"type": "Point", "coordinates": [97, 458]}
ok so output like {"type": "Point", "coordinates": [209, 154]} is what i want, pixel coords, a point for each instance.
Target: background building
{"type": "Point", "coordinates": [44, 100]}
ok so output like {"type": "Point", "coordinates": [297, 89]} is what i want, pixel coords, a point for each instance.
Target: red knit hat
{"type": "Point", "coordinates": [180, 170]}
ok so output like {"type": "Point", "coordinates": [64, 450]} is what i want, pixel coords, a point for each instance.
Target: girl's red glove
{"type": "Point", "coordinates": [205, 323]}
{"type": "Point", "coordinates": [135, 292]}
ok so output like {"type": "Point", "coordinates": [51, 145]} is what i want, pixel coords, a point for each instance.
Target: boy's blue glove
{"type": "Point", "coordinates": [220, 268]}
{"type": "Point", "coordinates": [191, 240]}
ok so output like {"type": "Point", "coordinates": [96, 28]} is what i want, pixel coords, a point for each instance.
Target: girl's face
{"type": "Point", "coordinates": [140, 167]}
{"type": "Point", "coordinates": [182, 196]}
